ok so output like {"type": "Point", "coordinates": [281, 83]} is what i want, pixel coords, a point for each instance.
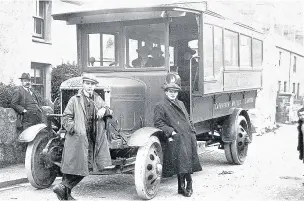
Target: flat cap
{"type": "Point", "coordinates": [90, 78]}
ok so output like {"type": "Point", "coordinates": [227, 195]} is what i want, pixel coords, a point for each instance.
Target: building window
{"type": "Point", "coordinates": [279, 85]}
{"type": "Point", "coordinates": [38, 77]}
{"type": "Point", "coordinates": [294, 64]}
{"type": "Point", "coordinates": [298, 90]}
{"type": "Point", "coordinates": [294, 88]}
{"type": "Point", "coordinates": [285, 86]}
{"type": "Point", "coordinates": [39, 18]}
{"type": "Point", "coordinates": [280, 57]}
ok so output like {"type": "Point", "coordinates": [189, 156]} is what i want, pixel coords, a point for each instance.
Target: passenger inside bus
{"type": "Point", "coordinates": [157, 57]}
{"type": "Point", "coordinates": [143, 59]}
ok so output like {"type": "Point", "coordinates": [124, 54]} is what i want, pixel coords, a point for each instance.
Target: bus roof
{"type": "Point", "coordinates": [99, 12]}
{"type": "Point", "coordinates": [108, 13]}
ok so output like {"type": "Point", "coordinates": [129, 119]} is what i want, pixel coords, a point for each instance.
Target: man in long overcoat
{"type": "Point", "coordinates": [27, 103]}
{"type": "Point", "coordinates": [172, 118]}
{"type": "Point", "coordinates": [86, 146]}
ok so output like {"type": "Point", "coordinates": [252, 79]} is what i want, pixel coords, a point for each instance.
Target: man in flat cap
{"type": "Point", "coordinates": [27, 103]}
{"type": "Point", "coordinates": [85, 147]}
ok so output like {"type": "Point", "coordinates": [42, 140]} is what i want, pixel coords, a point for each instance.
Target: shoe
{"type": "Point", "coordinates": [189, 190]}
{"type": "Point", "coordinates": [181, 184]}
{"type": "Point", "coordinates": [60, 191]}
{"type": "Point", "coordinates": [68, 193]}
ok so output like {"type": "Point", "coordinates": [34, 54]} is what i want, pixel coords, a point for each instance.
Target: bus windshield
{"type": "Point", "coordinates": [145, 45]}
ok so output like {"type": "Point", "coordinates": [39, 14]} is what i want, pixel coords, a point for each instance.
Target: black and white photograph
{"type": "Point", "coordinates": [151, 100]}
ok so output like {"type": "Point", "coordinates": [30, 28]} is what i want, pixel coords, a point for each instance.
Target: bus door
{"type": "Point", "coordinates": [183, 40]}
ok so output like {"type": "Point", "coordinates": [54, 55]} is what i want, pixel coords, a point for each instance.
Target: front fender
{"type": "Point", "coordinates": [141, 136]}
{"type": "Point", "coordinates": [30, 133]}
{"type": "Point", "coordinates": [230, 125]}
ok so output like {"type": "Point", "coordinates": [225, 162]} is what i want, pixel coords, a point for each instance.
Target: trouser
{"type": "Point", "coordinates": [31, 118]}
{"type": "Point", "coordinates": [70, 180]}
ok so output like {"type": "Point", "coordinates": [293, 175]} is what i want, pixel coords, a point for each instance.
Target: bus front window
{"type": "Point", "coordinates": [102, 49]}
{"type": "Point", "coordinates": [145, 46]}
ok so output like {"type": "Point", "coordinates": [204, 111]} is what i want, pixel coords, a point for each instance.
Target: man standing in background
{"type": "Point", "coordinates": [27, 103]}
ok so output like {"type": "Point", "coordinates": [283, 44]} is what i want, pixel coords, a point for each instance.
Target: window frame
{"type": "Point", "coordinates": [251, 52]}
{"type": "Point", "coordinates": [37, 17]}
{"type": "Point", "coordinates": [126, 61]}
{"type": "Point", "coordinates": [34, 78]}
{"type": "Point", "coordinates": [237, 66]}
{"type": "Point", "coordinates": [294, 67]}
{"type": "Point", "coordinates": [119, 28]}
{"type": "Point", "coordinates": [116, 52]}
{"type": "Point", "coordinates": [262, 53]}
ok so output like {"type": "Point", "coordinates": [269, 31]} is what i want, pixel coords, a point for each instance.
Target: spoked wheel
{"type": "Point", "coordinates": [39, 173]}
{"type": "Point", "coordinates": [236, 151]}
{"type": "Point", "coordinates": [148, 169]}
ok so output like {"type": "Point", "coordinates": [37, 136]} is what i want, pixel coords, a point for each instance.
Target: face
{"type": "Point", "coordinates": [171, 94]}
{"type": "Point", "coordinates": [187, 56]}
{"type": "Point", "coordinates": [301, 115]}
{"type": "Point", "coordinates": [89, 86]}
{"type": "Point", "coordinates": [26, 83]}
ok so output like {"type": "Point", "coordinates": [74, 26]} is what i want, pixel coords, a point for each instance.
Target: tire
{"type": "Point", "coordinates": [39, 174]}
{"type": "Point", "coordinates": [148, 169]}
{"type": "Point", "coordinates": [236, 152]}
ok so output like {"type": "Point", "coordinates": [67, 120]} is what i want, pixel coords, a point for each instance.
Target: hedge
{"type": "Point", "coordinates": [59, 75]}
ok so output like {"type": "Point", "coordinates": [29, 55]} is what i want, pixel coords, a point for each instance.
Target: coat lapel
{"type": "Point", "coordinates": [81, 101]}
{"type": "Point", "coordinates": [175, 104]}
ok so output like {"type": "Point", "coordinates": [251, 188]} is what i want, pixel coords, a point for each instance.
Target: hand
{"type": "Point", "coordinates": [111, 112]}
{"type": "Point", "coordinates": [173, 133]}
{"type": "Point", "coordinates": [24, 111]}
{"type": "Point", "coordinates": [101, 112]}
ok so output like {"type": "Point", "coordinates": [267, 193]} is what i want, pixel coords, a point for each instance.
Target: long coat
{"type": "Point", "coordinates": [172, 116]}
{"type": "Point", "coordinates": [75, 159]}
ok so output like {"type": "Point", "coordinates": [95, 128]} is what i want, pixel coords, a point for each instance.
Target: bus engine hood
{"type": "Point", "coordinates": [125, 96]}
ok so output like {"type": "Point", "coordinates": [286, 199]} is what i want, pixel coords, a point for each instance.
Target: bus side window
{"type": "Point", "coordinates": [257, 52]}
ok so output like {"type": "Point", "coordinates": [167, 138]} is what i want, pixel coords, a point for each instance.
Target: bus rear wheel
{"type": "Point", "coordinates": [236, 151]}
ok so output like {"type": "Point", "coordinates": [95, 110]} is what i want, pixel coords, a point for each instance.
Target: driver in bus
{"type": "Point", "coordinates": [143, 59]}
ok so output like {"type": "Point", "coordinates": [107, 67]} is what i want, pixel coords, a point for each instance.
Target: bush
{"type": "Point", "coordinates": [6, 93]}
{"type": "Point", "coordinates": [59, 75]}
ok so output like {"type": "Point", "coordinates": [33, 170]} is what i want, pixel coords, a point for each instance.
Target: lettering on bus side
{"type": "Point", "coordinates": [218, 106]}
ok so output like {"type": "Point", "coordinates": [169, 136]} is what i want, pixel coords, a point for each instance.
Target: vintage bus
{"type": "Point", "coordinates": [219, 82]}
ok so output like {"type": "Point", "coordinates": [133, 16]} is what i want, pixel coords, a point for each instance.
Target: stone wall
{"type": "Point", "coordinates": [12, 151]}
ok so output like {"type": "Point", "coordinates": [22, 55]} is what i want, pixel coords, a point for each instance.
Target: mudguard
{"type": "Point", "coordinates": [141, 136]}
{"type": "Point", "coordinates": [30, 133]}
{"type": "Point", "coordinates": [230, 125]}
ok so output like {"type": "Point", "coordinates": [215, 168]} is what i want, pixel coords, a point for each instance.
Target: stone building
{"type": "Point", "coordinates": [25, 42]}
{"type": "Point", "coordinates": [25, 46]}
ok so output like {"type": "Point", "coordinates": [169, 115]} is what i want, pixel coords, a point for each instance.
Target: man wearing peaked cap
{"type": "Point", "coordinates": [90, 78]}
{"type": "Point", "coordinates": [27, 103]}
{"type": "Point", "coordinates": [171, 116]}
{"type": "Point", "coordinates": [84, 122]}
